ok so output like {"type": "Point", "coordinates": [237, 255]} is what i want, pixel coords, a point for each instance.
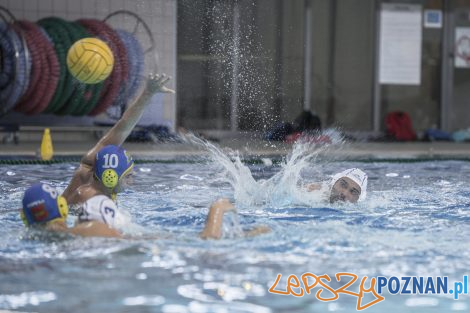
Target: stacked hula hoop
{"type": "Point", "coordinates": [34, 78]}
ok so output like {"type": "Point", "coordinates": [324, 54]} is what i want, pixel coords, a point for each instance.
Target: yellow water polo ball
{"type": "Point", "coordinates": [90, 60]}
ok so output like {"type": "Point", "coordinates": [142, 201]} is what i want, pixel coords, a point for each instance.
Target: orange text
{"type": "Point", "coordinates": [299, 287]}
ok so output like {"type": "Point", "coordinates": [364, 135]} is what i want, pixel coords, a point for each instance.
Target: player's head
{"type": "Point", "coordinates": [349, 185]}
{"type": "Point", "coordinates": [42, 205]}
{"type": "Point", "coordinates": [112, 165]}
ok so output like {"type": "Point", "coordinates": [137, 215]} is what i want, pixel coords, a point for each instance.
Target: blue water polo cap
{"type": "Point", "coordinates": [112, 163]}
{"type": "Point", "coordinates": [41, 204]}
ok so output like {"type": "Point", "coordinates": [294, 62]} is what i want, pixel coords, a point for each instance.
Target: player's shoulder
{"type": "Point", "coordinates": [100, 201]}
{"type": "Point", "coordinates": [82, 175]}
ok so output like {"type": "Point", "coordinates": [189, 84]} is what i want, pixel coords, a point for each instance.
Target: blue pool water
{"type": "Point", "coordinates": [415, 222]}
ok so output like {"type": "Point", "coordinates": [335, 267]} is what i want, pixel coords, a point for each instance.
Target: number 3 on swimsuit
{"type": "Point", "coordinates": [109, 211]}
{"type": "Point", "coordinates": [111, 161]}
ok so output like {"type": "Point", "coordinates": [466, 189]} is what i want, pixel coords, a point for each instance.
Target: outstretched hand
{"type": "Point", "coordinates": [225, 205]}
{"type": "Point", "coordinates": [156, 83]}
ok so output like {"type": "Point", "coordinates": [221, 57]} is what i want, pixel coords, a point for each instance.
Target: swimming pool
{"type": "Point", "coordinates": [415, 222]}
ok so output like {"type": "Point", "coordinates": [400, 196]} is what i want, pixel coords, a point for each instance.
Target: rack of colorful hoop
{"type": "Point", "coordinates": [34, 78]}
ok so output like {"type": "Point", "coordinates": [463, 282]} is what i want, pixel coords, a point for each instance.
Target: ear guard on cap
{"type": "Point", "coordinates": [23, 218]}
{"type": "Point", "coordinates": [63, 207]}
{"type": "Point", "coordinates": [110, 178]}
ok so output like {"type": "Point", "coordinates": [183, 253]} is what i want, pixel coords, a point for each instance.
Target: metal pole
{"type": "Point", "coordinates": [330, 114]}
{"type": "Point", "coordinates": [308, 56]}
{"type": "Point", "coordinates": [377, 97]}
{"type": "Point", "coordinates": [235, 65]}
{"type": "Point", "coordinates": [175, 60]}
{"type": "Point", "coordinates": [279, 65]}
{"type": "Point", "coordinates": [447, 76]}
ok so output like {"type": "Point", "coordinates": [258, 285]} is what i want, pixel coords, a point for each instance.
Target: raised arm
{"type": "Point", "coordinates": [214, 221]}
{"type": "Point", "coordinates": [213, 228]}
{"type": "Point", "coordinates": [121, 130]}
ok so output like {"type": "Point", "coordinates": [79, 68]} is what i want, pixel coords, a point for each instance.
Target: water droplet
{"type": "Point", "coordinates": [267, 161]}
{"type": "Point", "coordinates": [421, 302]}
{"type": "Point", "coordinates": [141, 276]}
{"type": "Point", "coordinates": [191, 177]}
{"type": "Point", "coordinates": [459, 306]}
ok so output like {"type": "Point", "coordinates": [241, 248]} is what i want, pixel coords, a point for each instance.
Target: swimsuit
{"type": "Point", "coordinates": [102, 209]}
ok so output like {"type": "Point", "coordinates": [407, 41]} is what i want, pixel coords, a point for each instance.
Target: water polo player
{"type": "Point", "coordinates": [44, 208]}
{"type": "Point", "coordinates": [349, 185]}
{"type": "Point", "coordinates": [105, 168]}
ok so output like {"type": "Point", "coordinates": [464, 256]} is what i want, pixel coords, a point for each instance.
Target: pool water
{"type": "Point", "coordinates": [414, 222]}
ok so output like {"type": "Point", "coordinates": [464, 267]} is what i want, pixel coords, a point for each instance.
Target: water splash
{"type": "Point", "coordinates": [288, 186]}
{"type": "Point", "coordinates": [240, 67]}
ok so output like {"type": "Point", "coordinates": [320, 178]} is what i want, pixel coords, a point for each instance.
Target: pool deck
{"type": "Point", "coordinates": [258, 148]}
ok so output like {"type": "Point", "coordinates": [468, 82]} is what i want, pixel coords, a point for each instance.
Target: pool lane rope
{"type": "Point", "coordinates": [150, 53]}
{"type": "Point", "coordinates": [61, 42]}
{"type": "Point", "coordinates": [26, 102]}
{"type": "Point", "coordinates": [198, 160]}
{"type": "Point", "coordinates": [92, 92]}
{"type": "Point", "coordinates": [136, 62]}
{"type": "Point", "coordinates": [8, 57]}
{"type": "Point", "coordinates": [135, 57]}
{"type": "Point", "coordinates": [16, 56]}
{"type": "Point", "coordinates": [120, 72]}
{"type": "Point", "coordinates": [34, 77]}
{"type": "Point", "coordinates": [84, 95]}
{"type": "Point", "coordinates": [37, 88]}
{"type": "Point", "coordinates": [54, 70]}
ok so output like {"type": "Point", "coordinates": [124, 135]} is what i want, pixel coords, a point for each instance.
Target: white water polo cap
{"type": "Point", "coordinates": [356, 175]}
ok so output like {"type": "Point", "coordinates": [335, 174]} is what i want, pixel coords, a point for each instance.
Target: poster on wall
{"type": "Point", "coordinates": [462, 47]}
{"type": "Point", "coordinates": [432, 18]}
{"type": "Point", "coordinates": [400, 44]}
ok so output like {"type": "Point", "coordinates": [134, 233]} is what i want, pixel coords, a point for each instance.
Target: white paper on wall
{"type": "Point", "coordinates": [462, 47]}
{"type": "Point", "coordinates": [400, 44]}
